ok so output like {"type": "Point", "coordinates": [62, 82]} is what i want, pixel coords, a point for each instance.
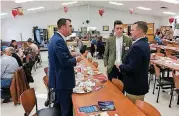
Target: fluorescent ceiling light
{"type": "Point", "coordinates": [21, 1]}
{"type": "Point", "coordinates": [37, 8]}
{"type": "Point", "coordinates": [1, 14]}
{"type": "Point", "coordinates": [143, 8]}
{"type": "Point", "coordinates": [171, 1]}
{"type": "Point", "coordinates": [68, 3]}
{"type": "Point", "coordinates": [115, 3]}
{"type": "Point", "coordinates": [170, 13]}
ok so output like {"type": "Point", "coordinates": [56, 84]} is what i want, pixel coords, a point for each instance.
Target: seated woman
{"type": "Point", "coordinates": [157, 37]}
{"type": "Point", "coordinates": [84, 51]}
{"type": "Point", "coordinates": [13, 44]}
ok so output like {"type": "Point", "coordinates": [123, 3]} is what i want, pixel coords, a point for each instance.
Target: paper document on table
{"type": "Point", "coordinates": [101, 114]}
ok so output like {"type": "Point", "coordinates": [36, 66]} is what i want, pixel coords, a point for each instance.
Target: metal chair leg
{"type": "Point", "coordinates": [171, 97]}
{"type": "Point", "coordinates": [149, 80]}
{"type": "Point", "coordinates": [158, 94]}
{"type": "Point", "coordinates": [154, 85]}
{"type": "Point", "coordinates": [178, 100]}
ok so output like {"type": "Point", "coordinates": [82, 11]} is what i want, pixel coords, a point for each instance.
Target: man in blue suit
{"type": "Point", "coordinates": [135, 66]}
{"type": "Point", "coordinates": [61, 67]}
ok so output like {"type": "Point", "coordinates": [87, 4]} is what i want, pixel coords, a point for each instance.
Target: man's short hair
{"type": "Point", "coordinates": [13, 41]}
{"type": "Point", "coordinates": [142, 25]}
{"type": "Point", "coordinates": [30, 40]}
{"type": "Point", "coordinates": [9, 50]}
{"type": "Point", "coordinates": [62, 22]}
{"type": "Point", "coordinates": [117, 22]}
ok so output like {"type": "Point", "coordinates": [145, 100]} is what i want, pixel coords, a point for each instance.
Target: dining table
{"type": "Point", "coordinates": [166, 62]}
{"type": "Point", "coordinates": [109, 92]}
{"type": "Point", "coordinates": [153, 47]}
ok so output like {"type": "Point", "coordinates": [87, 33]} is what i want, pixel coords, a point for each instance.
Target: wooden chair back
{"type": "Point", "coordinates": [166, 42]}
{"type": "Point", "coordinates": [159, 54]}
{"type": "Point", "coordinates": [177, 46]}
{"type": "Point", "coordinates": [158, 49]}
{"type": "Point", "coordinates": [153, 42]}
{"type": "Point", "coordinates": [28, 100]}
{"type": "Point", "coordinates": [176, 80]}
{"type": "Point", "coordinates": [45, 79]}
{"type": "Point", "coordinates": [118, 83]}
{"type": "Point", "coordinates": [147, 108]}
{"type": "Point", "coordinates": [173, 57]}
{"type": "Point", "coordinates": [174, 43]}
{"type": "Point", "coordinates": [169, 52]}
{"type": "Point", "coordinates": [170, 45]}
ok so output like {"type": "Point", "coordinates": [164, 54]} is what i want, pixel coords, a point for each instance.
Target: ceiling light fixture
{"type": "Point", "coordinates": [115, 3]}
{"type": "Point", "coordinates": [170, 13]}
{"type": "Point", "coordinates": [1, 14]}
{"type": "Point", "coordinates": [22, 1]}
{"type": "Point", "coordinates": [68, 3]}
{"type": "Point", "coordinates": [143, 8]}
{"type": "Point", "coordinates": [171, 1]}
{"type": "Point", "coordinates": [37, 8]}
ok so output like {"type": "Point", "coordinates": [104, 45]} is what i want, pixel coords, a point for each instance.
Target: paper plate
{"type": "Point", "coordinates": [82, 90]}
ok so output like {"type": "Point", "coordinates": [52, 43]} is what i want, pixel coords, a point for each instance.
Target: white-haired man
{"type": "Point", "coordinates": [8, 66]}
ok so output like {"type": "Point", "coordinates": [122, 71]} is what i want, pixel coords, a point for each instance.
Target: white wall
{"type": "Point", "coordinates": [12, 27]}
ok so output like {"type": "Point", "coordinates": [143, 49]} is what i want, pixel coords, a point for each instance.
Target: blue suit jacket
{"type": "Point", "coordinates": [135, 68]}
{"type": "Point", "coordinates": [61, 64]}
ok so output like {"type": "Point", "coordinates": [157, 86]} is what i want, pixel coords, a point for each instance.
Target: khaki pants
{"type": "Point", "coordinates": [133, 98]}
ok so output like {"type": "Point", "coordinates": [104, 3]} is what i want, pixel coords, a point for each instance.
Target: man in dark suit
{"type": "Point", "coordinates": [61, 67]}
{"type": "Point", "coordinates": [135, 66]}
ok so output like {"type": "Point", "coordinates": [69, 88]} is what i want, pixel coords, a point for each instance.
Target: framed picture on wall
{"type": "Point", "coordinates": [105, 28]}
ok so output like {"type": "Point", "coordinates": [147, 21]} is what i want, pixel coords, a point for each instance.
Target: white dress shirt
{"type": "Point", "coordinates": [62, 36]}
{"type": "Point", "coordinates": [137, 40]}
{"type": "Point", "coordinates": [119, 45]}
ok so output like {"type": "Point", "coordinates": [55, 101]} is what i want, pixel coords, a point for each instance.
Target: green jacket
{"type": "Point", "coordinates": [110, 51]}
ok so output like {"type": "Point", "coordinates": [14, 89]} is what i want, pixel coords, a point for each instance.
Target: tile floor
{"type": "Point", "coordinates": [9, 109]}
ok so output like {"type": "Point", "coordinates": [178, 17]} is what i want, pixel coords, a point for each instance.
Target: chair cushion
{"type": "Point", "coordinates": [169, 79]}
{"type": "Point", "coordinates": [49, 112]}
{"type": "Point", "coordinates": [163, 82]}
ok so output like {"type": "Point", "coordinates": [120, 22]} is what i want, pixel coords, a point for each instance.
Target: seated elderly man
{"type": "Point", "coordinates": [8, 66]}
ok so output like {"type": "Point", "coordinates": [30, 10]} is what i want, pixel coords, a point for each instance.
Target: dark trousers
{"type": "Point", "coordinates": [63, 100]}
{"type": "Point", "coordinates": [115, 74]}
{"type": "Point", "coordinates": [92, 50]}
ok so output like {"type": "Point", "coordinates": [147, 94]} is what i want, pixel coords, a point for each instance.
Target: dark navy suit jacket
{"type": "Point", "coordinates": [135, 68]}
{"type": "Point", "coordinates": [61, 64]}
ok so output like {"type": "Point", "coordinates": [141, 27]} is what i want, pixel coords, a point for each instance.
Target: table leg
{"type": "Point", "coordinates": [178, 100]}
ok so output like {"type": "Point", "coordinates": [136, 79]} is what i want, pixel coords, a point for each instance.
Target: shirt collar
{"type": "Point", "coordinates": [138, 39]}
{"type": "Point", "coordinates": [119, 37]}
{"type": "Point", "coordinates": [62, 35]}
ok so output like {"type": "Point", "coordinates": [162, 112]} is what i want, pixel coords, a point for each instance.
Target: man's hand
{"type": "Point", "coordinates": [117, 66]}
{"type": "Point", "coordinates": [78, 59]}
{"type": "Point", "coordinates": [75, 54]}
